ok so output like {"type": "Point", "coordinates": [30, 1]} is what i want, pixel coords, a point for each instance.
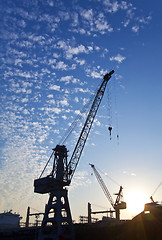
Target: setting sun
{"type": "Point", "coordinates": [136, 200]}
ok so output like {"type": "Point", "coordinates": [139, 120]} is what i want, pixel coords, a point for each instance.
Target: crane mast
{"type": "Point", "coordinates": [57, 222]}
{"type": "Point", "coordinates": [118, 203]}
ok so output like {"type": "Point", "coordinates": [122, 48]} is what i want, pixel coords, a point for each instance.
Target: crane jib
{"type": "Point", "coordinates": [87, 126]}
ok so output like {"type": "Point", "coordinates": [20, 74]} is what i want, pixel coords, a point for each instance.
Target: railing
{"type": "Point", "coordinates": [35, 224]}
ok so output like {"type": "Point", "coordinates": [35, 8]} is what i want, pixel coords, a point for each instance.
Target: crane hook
{"type": "Point", "coordinates": [110, 129]}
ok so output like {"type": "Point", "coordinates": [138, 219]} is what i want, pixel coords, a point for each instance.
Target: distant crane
{"type": "Point", "coordinates": [154, 208]}
{"type": "Point", "coordinates": [118, 203]}
{"type": "Point", "coordinates": [152, 200]}
{"type": "Point", "coordinates": [57, 221]}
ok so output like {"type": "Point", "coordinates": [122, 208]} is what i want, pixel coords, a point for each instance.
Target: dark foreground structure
{"type": "Point", "coordinates": [142, 227]}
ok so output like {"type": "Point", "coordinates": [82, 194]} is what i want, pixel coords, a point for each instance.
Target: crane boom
{"type": "Point", "coordinates": [103, 186]}
{"type": "Point", "coordinates": [87, 126]}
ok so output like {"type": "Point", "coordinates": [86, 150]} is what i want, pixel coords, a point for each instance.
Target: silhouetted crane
{"type": "Point", "coordinates": [57, 221]}
{"type": "Point", "coordinates": [118, 203]}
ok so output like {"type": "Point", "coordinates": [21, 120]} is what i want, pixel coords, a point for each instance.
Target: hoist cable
{"type": "Point", "coordinates": [76, 121]}
{"type": "Point", "coordinates": [116, 112]}
{"type": "Point", "coordinates": [35, 209]}
{"type": "Point", "coordinates": [157, 188]}
{"type": "Point", "coordinates": [109, 103]}
{"type": "Point", "coordinates": [46, 164]}
{"type": "Point", "coordinates": [109, 177]}
{"type": "Point", "coordinates": [99, 206]}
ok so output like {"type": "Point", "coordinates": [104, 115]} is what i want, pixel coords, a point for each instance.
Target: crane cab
{"type": "Point", "coordinates": [48, 184]}
{"type": "Point", "coordinates": [122, 205]}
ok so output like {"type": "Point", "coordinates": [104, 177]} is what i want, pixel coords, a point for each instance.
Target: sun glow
{"type": "Point", "coordinates": [136, 200]}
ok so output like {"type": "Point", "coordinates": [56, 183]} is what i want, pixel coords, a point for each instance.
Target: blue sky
{"type": "Point", "coordinates": [54, 54]}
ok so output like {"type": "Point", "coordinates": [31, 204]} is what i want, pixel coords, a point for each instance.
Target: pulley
{"type": "Point", "coordinates": [110, 129]}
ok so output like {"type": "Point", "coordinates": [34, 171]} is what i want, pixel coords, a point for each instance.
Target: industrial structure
{"type": "Point", "coordinates": [154, 208]}
{"type": "Point", "coordinates": [57, 222]}
{"type": "Point", "coordinates": [36, 215]}
{"type": "Point", "coordinates": [91, 219]}
{"type": "Point", "coordinates": [9, 221]}
{"type": "Point", "coordinates": [118, 204]}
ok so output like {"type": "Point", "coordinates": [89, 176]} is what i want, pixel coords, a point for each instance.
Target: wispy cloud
{"type": "Point", "coordinates": [135, 28]}
{"type": "Point", "coordinates": [52, 55]}
{"type": "Point", "coordinates": [81, 178]}
{"type": "Point", "coordinates": [118, 58]}
{"type": "Point", "coordinates": [55, 87]}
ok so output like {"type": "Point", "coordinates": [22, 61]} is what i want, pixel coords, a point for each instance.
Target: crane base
{"type": "Point", "coordinates": [57, 222]}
